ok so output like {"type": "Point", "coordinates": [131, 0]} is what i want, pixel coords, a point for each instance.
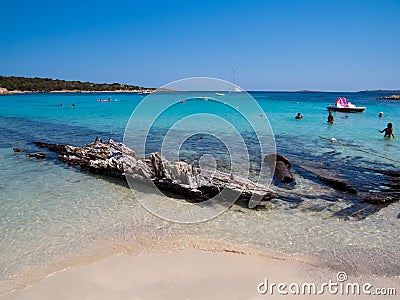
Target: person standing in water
{"type": "Point", "coordinates": [331, 118]}
{"type": "Point", "coordinates": [389, 132]}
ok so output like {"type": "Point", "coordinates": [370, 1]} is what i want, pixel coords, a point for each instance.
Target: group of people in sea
{"type": "Point", "coordinates": [105, 100]}
{"type": "Point", "coordinates": [100, 100]}
{"type": "Point", "coordinates": [72, 105]}
{"type": "Point", "coordinates": [389, 132]}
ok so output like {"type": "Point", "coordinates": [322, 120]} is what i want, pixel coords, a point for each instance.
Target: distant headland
{"type": "Point", "coordinates": [17, 85]}
{"type": "Point", "coordinates": [380, 91]}
{"type": "Point", "coordinates": [308, 91]}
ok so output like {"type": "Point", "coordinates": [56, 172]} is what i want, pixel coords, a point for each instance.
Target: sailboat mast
{"type": "Point", "coordinates": [234, 71]}
{"type": "Point", "coordinates": [234, 68]}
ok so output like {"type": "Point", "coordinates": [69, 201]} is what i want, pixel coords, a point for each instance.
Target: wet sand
{"type": "Point", "coordinates": [187, 274]}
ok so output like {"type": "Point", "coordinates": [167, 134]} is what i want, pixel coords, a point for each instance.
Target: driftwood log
{"type": "Point", "coordinates": [282, 166]}
{"type": "Point", "coordinates": [337, 183]}
{"type": "Point", "coordinates": [117, 160]}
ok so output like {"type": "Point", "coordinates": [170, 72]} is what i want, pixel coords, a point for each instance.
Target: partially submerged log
{"type": "Point", "coordinates": [380, 197]}
{"type": "Point", "coordinates": [117, 160]}
{"type": "Point", "coordinates": [282, 166]}
{"type": "Point", "coordinates": [369, 192]}
{"type": "Point", "coordinates": [338, 184]}
{"type": "Point", "coordinates": [390, 193]}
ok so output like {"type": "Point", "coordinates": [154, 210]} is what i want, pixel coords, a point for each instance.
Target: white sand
{"type": "Point", "coordinates": [188, 274]}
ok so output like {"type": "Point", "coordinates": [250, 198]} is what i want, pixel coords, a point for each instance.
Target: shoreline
{"type": "Point", "coordinates": [142, 246]}
{"type": "Point", "coordinates": [74, 91]}
{"type": "Point", "coordinates": [174, 267]}
{"type": "Point", "coordinates": [151, 90]}
{"type": "Point", "coordinates": [182, 274]}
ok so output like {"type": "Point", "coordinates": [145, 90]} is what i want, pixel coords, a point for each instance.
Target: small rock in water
{"type": "Point", "coordinates": [39, 155]}
{"type": "Point", "coordinates": [282, 166]}
{"type": "Point", "coordinates": [393, 97]}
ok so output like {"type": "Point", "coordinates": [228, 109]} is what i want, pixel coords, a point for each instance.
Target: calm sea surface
{"type": "Point", "coordinates": [51, 214]}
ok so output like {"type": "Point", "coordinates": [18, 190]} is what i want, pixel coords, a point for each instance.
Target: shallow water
{"type": "Point", "coordinates": [50, 212]}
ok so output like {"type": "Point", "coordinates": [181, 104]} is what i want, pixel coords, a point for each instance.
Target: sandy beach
{"type": "Point", "coordinates": [190, 274]}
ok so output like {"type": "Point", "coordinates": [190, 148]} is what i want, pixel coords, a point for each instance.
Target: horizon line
{"type": "Point", "coordinates": [249, 90]}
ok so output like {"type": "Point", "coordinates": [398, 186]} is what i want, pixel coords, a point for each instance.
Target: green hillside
{"type": "Point", "coordinates": [13, 83]}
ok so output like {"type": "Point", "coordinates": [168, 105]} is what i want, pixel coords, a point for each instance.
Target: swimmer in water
{"type": "Point", "coordinates": [299, 116]}
{"type": "Point", "coordinates": [331, 118]}
{"type": "Point", "coordinates": [389, 132]}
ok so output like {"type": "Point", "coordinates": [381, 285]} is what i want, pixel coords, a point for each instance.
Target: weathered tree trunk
{"type": "Point", "coordinates": [117, 160]}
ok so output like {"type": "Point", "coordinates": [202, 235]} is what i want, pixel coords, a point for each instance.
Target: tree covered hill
{"type": "Point", "coordinates": [13, 83]}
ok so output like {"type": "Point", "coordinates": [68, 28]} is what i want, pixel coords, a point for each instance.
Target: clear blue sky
{"type": "Point", "coordinates": [280, 45]}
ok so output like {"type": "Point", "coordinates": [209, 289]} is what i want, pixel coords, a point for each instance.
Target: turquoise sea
{"type": "Point", "coordinates": [53, 216]}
